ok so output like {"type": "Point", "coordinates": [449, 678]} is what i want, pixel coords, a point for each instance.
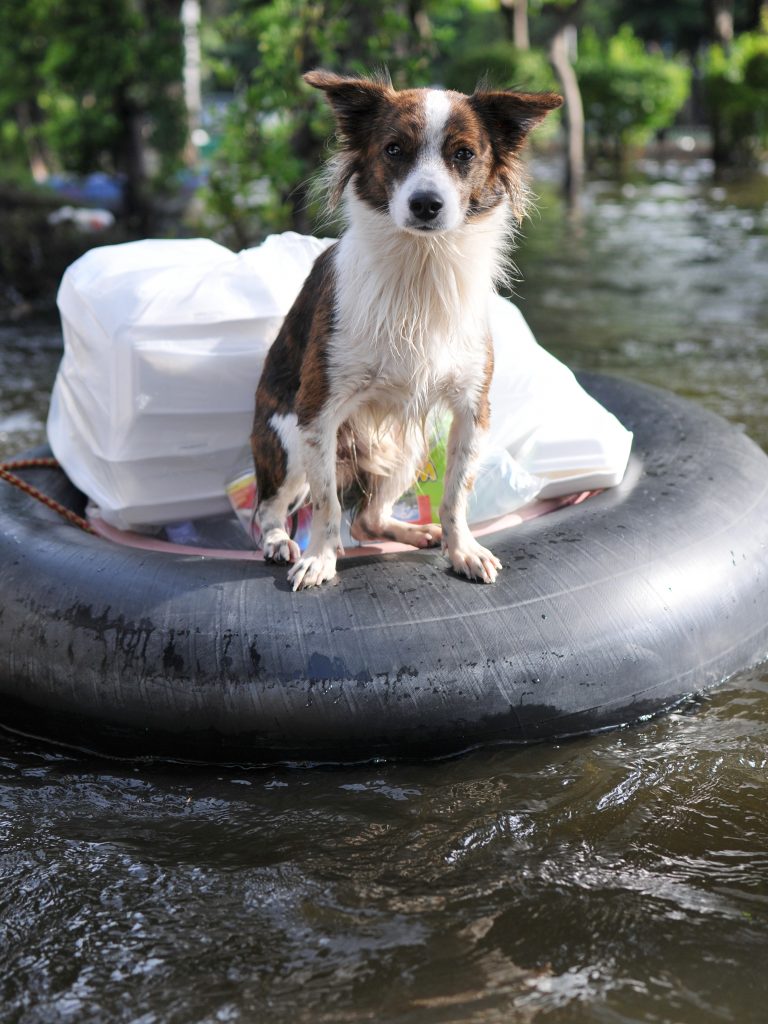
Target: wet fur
{"type": "Point", "coordinates": [392, 320]}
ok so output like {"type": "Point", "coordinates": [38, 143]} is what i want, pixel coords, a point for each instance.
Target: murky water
{"type": "Point", "coordinates": [664, 279]}
{"type": "Point", "coordinates": [615, 878]}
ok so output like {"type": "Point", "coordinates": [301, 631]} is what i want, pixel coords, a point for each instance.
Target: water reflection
{"type": "Point", "coordinates": [620, 877]}
{"type": "Point", "coordinates": [29, 355]}
{"type": "Point", "coordinates": [663, 281]}
{"type": "Point", "coordinates": [616, 878]}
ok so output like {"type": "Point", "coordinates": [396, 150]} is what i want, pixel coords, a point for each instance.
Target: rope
{"type": "Point", "coordinates": [16, 481]}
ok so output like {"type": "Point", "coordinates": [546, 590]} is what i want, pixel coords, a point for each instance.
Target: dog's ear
{"type": "Point", "coordinates": [355, 101]}
{"type": "Point", "coordinates": [510, 116]}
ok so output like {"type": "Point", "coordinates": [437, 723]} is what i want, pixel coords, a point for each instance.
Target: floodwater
{"type": "Point", "coordinates": [614, 878]}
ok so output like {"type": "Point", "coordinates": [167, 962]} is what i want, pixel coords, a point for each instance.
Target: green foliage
{"type": "Point", "coordinates": [72, 72]}
{"type": "Point", "coordinates": [736, 88]}
{"type": "Point", "coordinates": [628, 92]}
{"type": "Point", "coordinates": [275, 136]}
{"type": "Point", "coordinates": [503, 66]}
{"type": "Point", "coordinates": [682, 25]}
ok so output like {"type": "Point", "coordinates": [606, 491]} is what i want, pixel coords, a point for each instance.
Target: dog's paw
{"type": "Point", "coordinates": [281, 549]}
{"type": "Point", "coordinates": [312, 570]}
{"type": "Point", "coordinates": [427, 535]}
{"type": "Point", "coordinates": [472, 560]}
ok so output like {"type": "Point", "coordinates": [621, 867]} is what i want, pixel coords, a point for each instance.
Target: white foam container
{"type": "Point", "coordinates": [164, 342]}
{"type": "Point", "coordinates": [545, 419]}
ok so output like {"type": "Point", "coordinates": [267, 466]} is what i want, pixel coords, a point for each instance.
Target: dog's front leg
{"type": "Point", "coordinates": [467, 556]}
{"type": "Point", "coordinates": [318, 563]}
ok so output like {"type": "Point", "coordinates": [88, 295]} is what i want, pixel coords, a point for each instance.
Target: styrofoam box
{"type": "Point", "coordinates": [545, 419]}
{"type": "Point", "coordinates": [164, 343]}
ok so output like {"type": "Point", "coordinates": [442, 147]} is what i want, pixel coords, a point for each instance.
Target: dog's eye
{"type": "Point", "coordinates": [393, 149]}
{"type": "Point", "coordinates": [463, 155]}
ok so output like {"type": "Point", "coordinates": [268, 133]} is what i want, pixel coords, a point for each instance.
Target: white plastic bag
{"type": "Point", "coordinates": [543, 417]}
{"type": "Point", "coordinates": [164, 343]}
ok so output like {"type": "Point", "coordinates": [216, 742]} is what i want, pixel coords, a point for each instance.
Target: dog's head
{"type": "Point", "coordinates": [430, 159]}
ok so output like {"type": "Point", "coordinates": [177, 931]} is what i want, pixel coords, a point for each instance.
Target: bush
{"type": "Point", "coordinates": [503, 66]}
{"type": "Point", "coordinates": [629, 93]}
{"type": "Point", "coordinates": [736, 90]}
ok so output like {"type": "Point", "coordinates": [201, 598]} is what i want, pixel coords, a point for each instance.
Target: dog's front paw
{"type": "Point", "coordinates": [472, 560]}
{"type": "Point", "coordinates": [312, 570]}
{"type": "Point", "coordinates": [280, 548]}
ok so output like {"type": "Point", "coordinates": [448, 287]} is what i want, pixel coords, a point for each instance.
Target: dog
{"type": "Point", "coordinates": [392, 320]}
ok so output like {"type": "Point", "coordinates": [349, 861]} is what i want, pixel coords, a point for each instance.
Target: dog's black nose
{"type": "Point", "coordinates": [425, 205]}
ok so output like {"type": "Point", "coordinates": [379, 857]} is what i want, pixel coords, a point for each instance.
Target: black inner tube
{"type": "Point", "coordinates": [605, 612]}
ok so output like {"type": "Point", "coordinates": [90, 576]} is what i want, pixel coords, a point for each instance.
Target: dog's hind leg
{"type": "Point", "coordinates": [374, 520]}
{"type": "Point", "coordinates": [281, 483]}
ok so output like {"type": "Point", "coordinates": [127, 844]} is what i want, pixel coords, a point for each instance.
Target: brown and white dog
{"type": "Point", "coordinates": [393, 320]}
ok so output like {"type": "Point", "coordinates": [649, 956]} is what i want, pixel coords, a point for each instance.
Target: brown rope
{"type": "Point", "coordinates": [16, 481]}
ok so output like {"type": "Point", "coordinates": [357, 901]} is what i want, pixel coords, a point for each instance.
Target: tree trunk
{"type": "Point", "coordinates": [422, 24]}
{"type": "Point", "coordinates": [515, 14]}
{"type": "Point", "coordinates": [508, 14]}
{"type": "Point", "coordinates": [758, 19]}
{"type": "Point", "coordinates": [559, 55]}
{"type": "Point", "coordinates": [190, 19]}
{"type": "Point", "coordinates": [304, 145]}
{"type": "Point", "coordinates": [522, 38]}
{"type": "Point", "coordinates": [722, 22]}
{"type": "Point", "coordinates": [131, 160]}
{"type": "Point", "coordinates": [30, 118]}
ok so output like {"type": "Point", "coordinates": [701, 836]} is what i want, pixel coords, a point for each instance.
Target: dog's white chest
{"type": "Point", "coordinates": [403, 364]}
{"type": "Point", "coordinates": [405, 320]}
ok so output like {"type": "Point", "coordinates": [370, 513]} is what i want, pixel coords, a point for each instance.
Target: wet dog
{"type": "Point", "coordinates": [393, 320]}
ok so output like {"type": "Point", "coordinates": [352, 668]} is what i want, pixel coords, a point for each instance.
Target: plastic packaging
{"type": "Point", "coordinates": [502, 485]}
{"type": "Point", "coordinates": [164, 341]}
{"type": "Point", "coordinates": [543, 417]}
{"type": "Point", "coordinates": [164, 345]}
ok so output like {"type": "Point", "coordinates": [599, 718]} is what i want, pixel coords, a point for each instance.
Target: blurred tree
{"type": "Point", "coordinates": [23, 47]}
{"type": "Point", "coordinates": [629, 92]}
{"type": "Point", "coordinates": [722, 21]}
{"type": "Point", "coordinates": [736, 87]}
{"type": "Point", "coordinates": [562, 52]}
{"type": "Point", "coordinates": [504, 66]}
{"type": "Point", "coordinates": [192, 75]}
{"type": "Point", "coordinates": [516, 15]}
{"type": "Point", "coordinates": [94, 84]}
{"type": "Point", "coordinates": [758, 15]}
{"type": "Point", "coordinates": [682, 25]}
